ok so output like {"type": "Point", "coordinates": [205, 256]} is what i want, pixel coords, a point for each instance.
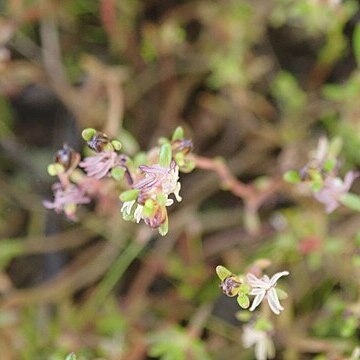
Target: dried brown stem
{"type": "Point", "coordinates": [252, 197]}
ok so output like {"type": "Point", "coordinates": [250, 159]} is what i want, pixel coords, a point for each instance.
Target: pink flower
{"type": "Point", "coordinates": [99, 165]}
{"type": "Point", "coordinates": [332, 190]}
{"type": "Point", "coordinates": [66, 200]}
{"type": "Point", "coordinates": [158, 179]}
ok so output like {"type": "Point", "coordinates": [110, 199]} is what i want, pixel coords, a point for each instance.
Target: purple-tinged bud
{"type": "Point", "coordinates": [67, 157]}
{"type": "Point", "coordinates": [230, 286]}
{"type": "Point", "coordinates": [99, 142]}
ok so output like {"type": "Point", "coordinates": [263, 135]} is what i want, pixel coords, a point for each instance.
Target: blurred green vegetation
{"type": "Point", "coordinates": [255, 82]}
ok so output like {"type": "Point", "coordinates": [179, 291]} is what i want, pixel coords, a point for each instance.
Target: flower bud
{"type": "Point", "coordinates": [117, 173]}
{"type": "Point", "coordinates": [55, 169]}
{"type": "Point", "coordinates": [129, 195]}
{"type": "Point", "coordinates": [165, 155]}
{"type": "Point", "coordinates": [231, 285]}
{"type": "Point", "coordinates": [88, 133]}
{"type": "Point", "coordinates": [98, 141]}
{"type": "Point", "coordinates": [178, 133]}
{"type": "Point", "coordinates": [66, 157]}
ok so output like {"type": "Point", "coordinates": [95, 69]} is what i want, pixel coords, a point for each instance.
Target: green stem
{"type": "Point", "coordinates": [110, 280]}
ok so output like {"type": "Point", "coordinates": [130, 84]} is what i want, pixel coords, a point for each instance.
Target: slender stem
{"type": "Point", "coordinates": [111, 278]}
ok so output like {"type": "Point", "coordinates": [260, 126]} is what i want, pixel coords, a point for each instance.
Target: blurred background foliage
{"type": "Point", "coordinates": [256, 82]}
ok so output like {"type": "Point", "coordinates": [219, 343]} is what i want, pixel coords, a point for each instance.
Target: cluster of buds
{"type": "Point", "coordinates": [67, 194]}
{"type": "Point", "coordinates": [320, 174]}
{"type": "Point", "coordinates": [258, 332]}
{"type": "Point", "coordinates": [262, 288]}
{"type": "Point", "coordinates": [147, 181]}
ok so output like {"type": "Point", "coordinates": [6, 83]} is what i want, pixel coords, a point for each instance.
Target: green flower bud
{"type": "Point", "coordinates": [329, 165]}
{"type": "Point", "coordinates": [188, 167]}
{"type": "Point", "coordinates": [117, 173]}
{"type": "Point", "coordinates": [55, 169]}
{"type": "Point", "coordinates": [180, 158]}
{"type": "Point", "coordinates": [178, 133]}
{"type": "Point", "coordinates": [129, 195]}
{"type": "Point", "coordinates": [88, 133]}
{"type": "Point", "coordinates": [222, 272]}
{"type": "Point", "coordinates": [243, 301]}
{"type": "Point", "coordinates": [292, 177]}
{"type": "Point", "coordinates": [148, 207]}
{"type": "Point", "coordinates": [165, 155]}
{"type": "Point", "coordinates": [161, 199]}
{"type": "Point", "coordinates": [164, 228]}
{"type": "Point", "coordinates": [116, 144]}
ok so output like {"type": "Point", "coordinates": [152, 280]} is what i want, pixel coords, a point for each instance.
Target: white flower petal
{"type": "Point", "coordinates": [127, 206]}
{"type": "Point", "coordinates": [273, 301]}
{"type": "Point", "coordinates": [260, 350]}
{"type": "Point", "coordinates": [256, 291]}
{"type": "Point", "coordinates": [138, 213]}
{"type": "Point", "coordinates": [257, 300]}
{"type": "Point", "coordinates": [253, 281]}
{"type": "Point", "coordinates": [277, 276]}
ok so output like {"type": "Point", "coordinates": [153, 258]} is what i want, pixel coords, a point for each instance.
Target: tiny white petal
{"type": "Point", "coordinates": [257, 300]}
{"type": "Point", "coordinates": [253, 281]}
{"type": "Point", "coordinates": [277, 276]}
{"type": "Point", "coordinates": [256, 291]}
{"type": "Point", "coordinates": [273, 301]}
{"type": "Point", "coordinates": [169, 202]}
{"type": "Point", "coordinates": [127, 206]}
{"type": "Point", "coordinates": [138, 213]}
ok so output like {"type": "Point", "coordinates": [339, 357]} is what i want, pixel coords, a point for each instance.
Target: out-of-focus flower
{"type": "Point", "coordinates": [332, 190]}
{"type": "Point", "coordinates": [264, 347]}
{"type": "Point", "coordinates": [265, 287]}
{"type": "Point", "coordinates": [67, 199]}
{"type": "Point", "coordinates": [99, 165]}
{"type": "Point", "coordinates": [309, 244]}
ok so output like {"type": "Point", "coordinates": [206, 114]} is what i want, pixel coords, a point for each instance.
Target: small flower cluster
{"type": "Point", "coordinates": [67, 194]}
{"type": "Point", "coordinates": [262, 288]}
{"type": "Point", "coordinates": [257, 332]}
{"type": "Point", "coordinates": [321, 176]}
{"type": "Point", "coordinates": [147, 181]}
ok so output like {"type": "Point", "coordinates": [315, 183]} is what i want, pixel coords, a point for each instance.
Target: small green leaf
{"type": "Point", "coordinates": [350, 200]}
{"type": "Point", "coordinates": [222, 272]}
{"type": "Point", "coordinates": [243, 301]}
{"type": "Point", "coordinates": [129, 195]}
{"type": "Point", "coordinates": [165, 155]}
{"type": "Point", "coordinates": [117, 173]}
{"type": "Point", "coordinates": [178, 133]}
{"type": "Point", "coordinates": [88, 133]}
{"type": "Point", "coordinates": [356, 43]}
{"type": "Point", "coordinates": [292, 177]}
